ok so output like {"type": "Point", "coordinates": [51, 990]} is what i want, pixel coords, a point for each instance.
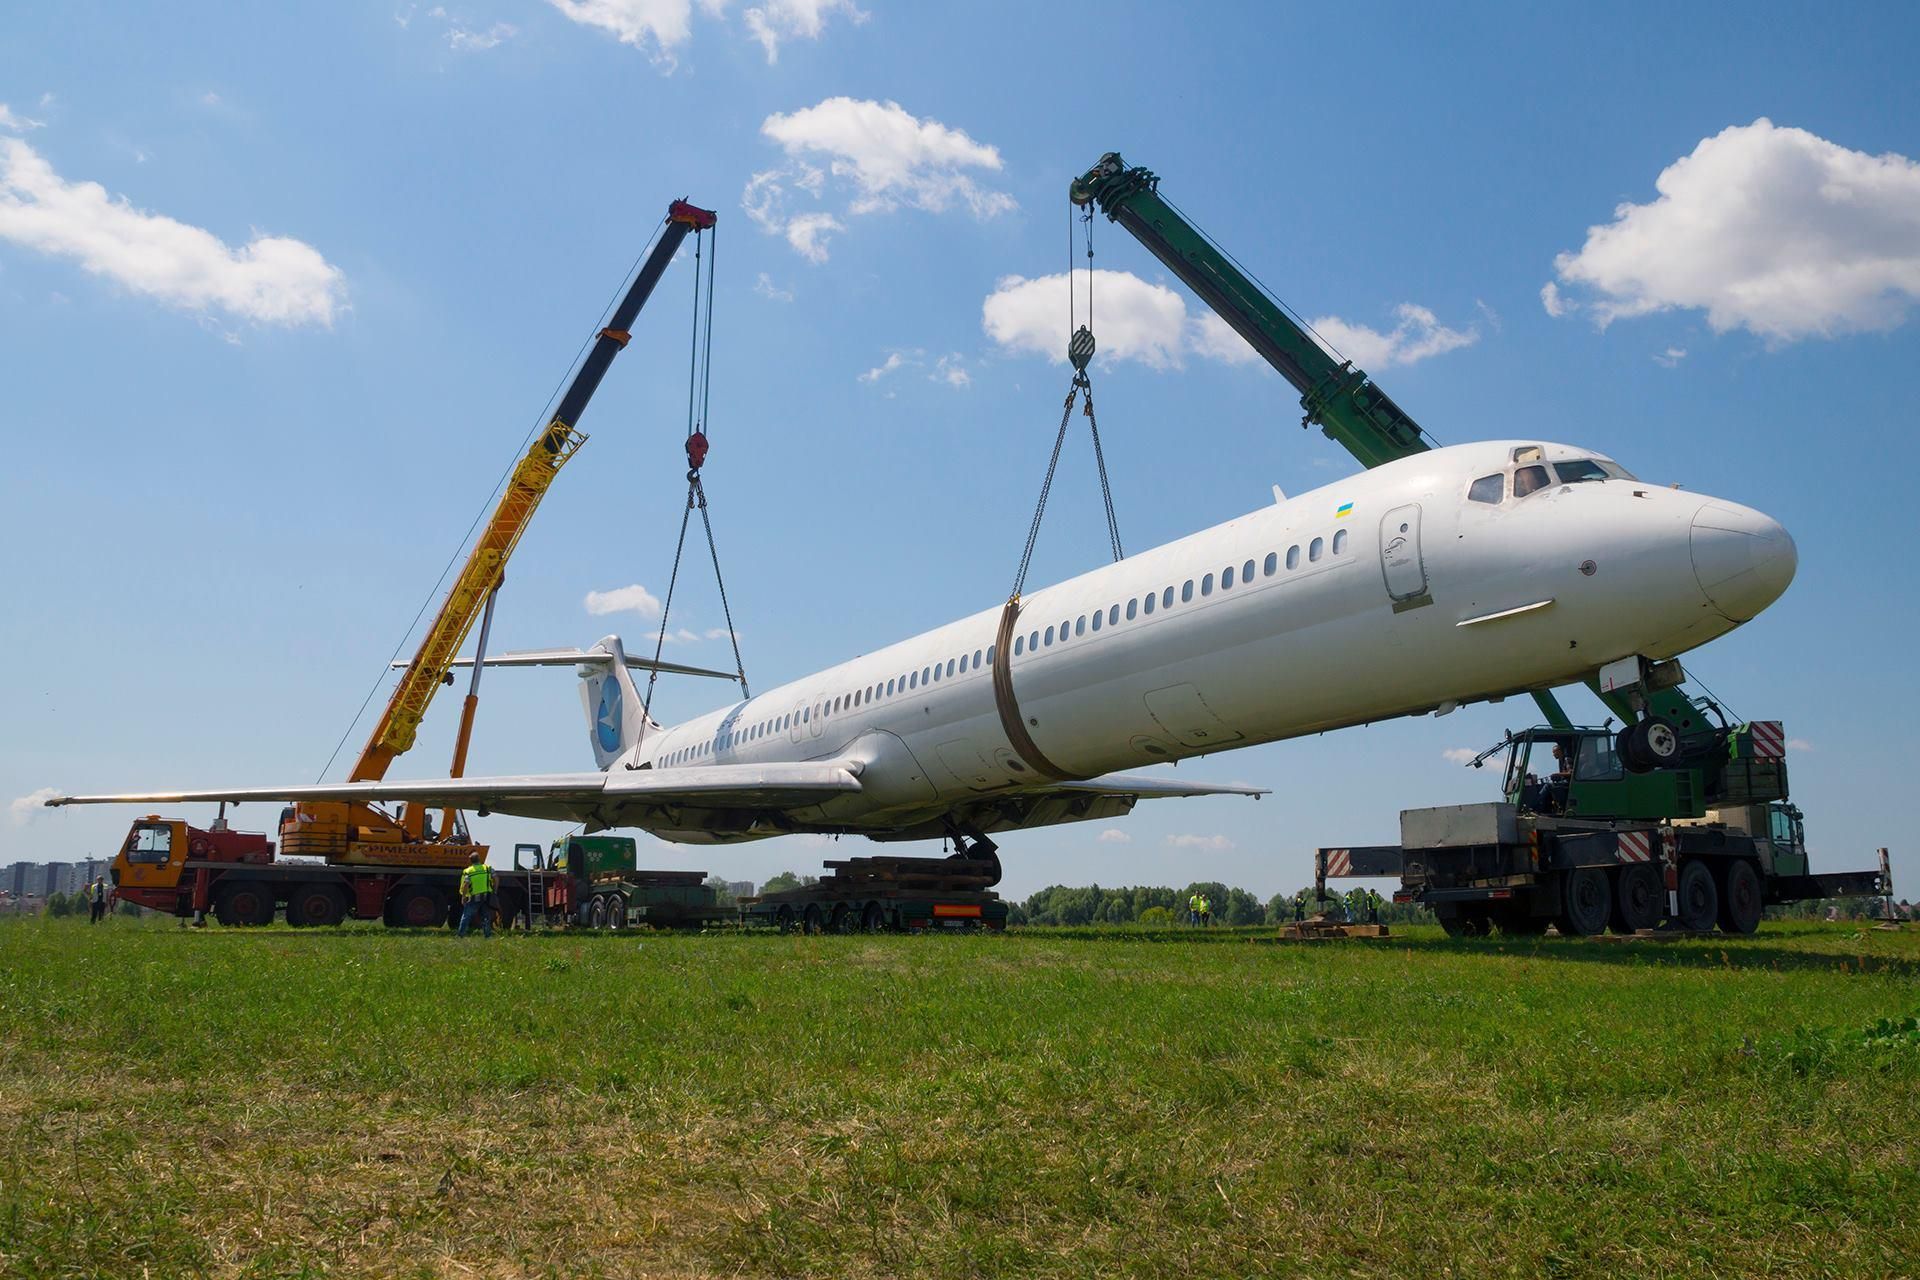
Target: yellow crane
{"type": "Point", "coordinates": [350, 832]}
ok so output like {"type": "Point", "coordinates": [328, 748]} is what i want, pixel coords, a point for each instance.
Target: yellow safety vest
{"type": "Point", "coordinates": [475, 880]}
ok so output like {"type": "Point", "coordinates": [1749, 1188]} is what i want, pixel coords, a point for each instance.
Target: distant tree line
{"type": "Point", "coordinates": [1163, 905]}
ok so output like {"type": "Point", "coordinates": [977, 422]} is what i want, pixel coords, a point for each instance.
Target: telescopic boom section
{"type": "Point", "coordinates": [1338, 398]}
{"type": "Point", "coordinates": [485, 565]}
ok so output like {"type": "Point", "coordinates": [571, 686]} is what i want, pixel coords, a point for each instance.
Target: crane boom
{"type": "Point", "coordinates": [558, 441]}
{"type": "Point", "coordinates": [1341, 400]}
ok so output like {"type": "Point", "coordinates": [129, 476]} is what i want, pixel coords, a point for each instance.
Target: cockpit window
{"type": "Point", "coordinates": [1580, 471]}
{"type": "Point", "coordinates": [150, 844]}
{"type": "Point", "coordinates": [1487, 489]}
{"type": "Point", "coordinates": [1528, 479]}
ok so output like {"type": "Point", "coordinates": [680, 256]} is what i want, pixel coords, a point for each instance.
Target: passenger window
{"type": "Point", "coordinates": [1226, 578]}
{"type": "Point", "coordinates": [924, 673]}
{"type": "Point", "coordinates": [1098, 618]}
{"type": "Point", "coordinates": [976, 659]}
{"type": "Point", "coordinates": [1065, 627]}
{"type": "Point", "coordinates": [806, 714]}
{"type": "Point", "coordinates": [1049, 635]}
{"type": "Point", "coordinates": [1132, 608]}
{"type": "Point", "coordinates": [1272, 565]}
{"type": "Point", "coordinates": [1019, 645]}
{"type": "Point", "coordinates": [1149, 605]}
{"type": "Point", "coordinates": [1080, 625]}
{"type": "Point", "coordinates": [1113, 616]}
{"type": "Point", "coordinates": [1314, 548]}
{"type": "Point", "coordinates": [1206, 585]}
{"type": "Point", "coordinates": [1186, 591]}
{"type": "Point", "coordinates": [889, 688]}
{"type": "Point", "coordinates": [1033, 641]}
{"type": "Point", "coordinates": [949, 666]}
{"type": "Point", "coordinates": [1527, 479]}
{"type": "Point", "coordinates": [1166, 597]}
{"type": "Point", "coordinates": [1246, 573]}
{"type": "Point", "coordinates": [1488, 489]}
{"type": "Point", "coordinates": [1339, 541]}
{"type": "Point", "coordinates": [936, 671]}
{"type": "Point", "coordinates": [1293, 557]}
{"type": "Point", "coordinates": [990, 649]}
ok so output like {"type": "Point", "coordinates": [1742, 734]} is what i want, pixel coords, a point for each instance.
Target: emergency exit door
{"type": "Point", "coordinates": [1400, 560]}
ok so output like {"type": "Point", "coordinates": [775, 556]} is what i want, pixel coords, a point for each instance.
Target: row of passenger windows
{"type": "Point", "coordinates": [1143, 606]}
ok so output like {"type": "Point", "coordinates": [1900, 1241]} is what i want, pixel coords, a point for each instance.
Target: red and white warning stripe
{"type": "Point", "coordinates": [1634, 846]}
{"type": "Point", "coordinates": [1769, 739]}
{"type": "Point", "coordinates": [1339, 863]}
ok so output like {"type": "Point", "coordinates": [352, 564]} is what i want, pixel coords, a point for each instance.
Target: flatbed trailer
{"type": "Point", "coordinates": [887, 895]}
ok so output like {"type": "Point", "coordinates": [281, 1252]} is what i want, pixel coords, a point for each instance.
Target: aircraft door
{"type": "Point", "coordinates": [1400, 559]}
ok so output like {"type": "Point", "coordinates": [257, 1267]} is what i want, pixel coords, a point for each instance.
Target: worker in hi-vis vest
{"type": "Point", "coordinates": [476, 895]}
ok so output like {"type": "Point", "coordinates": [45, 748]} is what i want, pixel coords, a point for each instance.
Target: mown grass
{"type": "Point", "coordinates": [275, 1103]}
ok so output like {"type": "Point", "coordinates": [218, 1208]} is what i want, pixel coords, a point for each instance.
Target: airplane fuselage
{"type": "Point", "coordinates": [1427, 582]}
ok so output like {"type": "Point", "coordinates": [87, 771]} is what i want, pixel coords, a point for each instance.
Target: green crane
{"type": "Point", "coordinates": [1341, 400]}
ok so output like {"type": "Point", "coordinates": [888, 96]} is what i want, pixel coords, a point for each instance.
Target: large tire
{"type": "Point", "coordinates": [244, 902]}
{"type": "Point", "coordinates": [842, 919]}
{"type": "Point", "coordinates": [1586, 900]}
{"type": "Point", "coordinates": [873, 919]}
{"type": "Point", "coordinates": [616, 911]}
{"type": "Point", "coordinates": [1740, 897]}
{"type": "Point", "coordinates": [1639, 899]}
{"type": "Point", "coordinates": [1649, 744]}
{"type": "Point", "coordinates": [416, 906]}
{"type": "Point", "coordinates": [1466, 924]}
{"type": "Point", "coordinates": [1699, 899]}
{"type": "Point", "coordinates": [813, 921]}
{"type": "Point", "coordinates": [783, 918]}
{"type": "Point", "coordinates": [597, 912]}
{"type": "Point", "coordinates": [316, 904]}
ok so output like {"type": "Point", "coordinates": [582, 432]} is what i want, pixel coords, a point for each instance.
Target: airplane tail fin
{"type": "Point", "coordinates": [615, 713]}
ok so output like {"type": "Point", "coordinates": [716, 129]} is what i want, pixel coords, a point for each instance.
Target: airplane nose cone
{"type": "Point", "coordinates": [1742, 559]}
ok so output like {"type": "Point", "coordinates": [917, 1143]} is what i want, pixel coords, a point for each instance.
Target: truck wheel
{"type": "Point", "coordinates": [783, 919]}
{"type": "Point", "coordinates": [247, 902]}
{"type": "Point", "coordinates": [1699, 900]}
{"type": "Point", "coordinates": [316, 905]}
{"type": "Point", "coordinates": [842, 919]}
{"type": "Point", "coordinates": [813, 920]}
{"type": "Point", "coordinates": [1586, 902]}
{"type": "Point", "coordinates": [616, 911]}
{"type": "Point", "coordinates": [1740, 897]}
{"type": "Point", "coordinates": [1639, 899]}
{"type": "Point", "coordinates": [872, 918]}
{"type": "Point", "coordinates": [597, 913]}
{"type": "Point", "coordinates": [416, 906]}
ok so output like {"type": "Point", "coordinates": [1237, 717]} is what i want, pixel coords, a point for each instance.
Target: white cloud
{"type": "Point", "coordinates": [891, 156]}
{"type": "Point", "coordinates": [1459, 755]}
{"type": "Point", "coordinates": [656, 27]}
{"type": "Point", "coordinates": [1555, 305]}
{"type": "Point", "coordinates": [1416, 336]}
{"type": "Point", "coordinates": [1114, 835]}
{"type": "Point", "coordinates": [463, 39]}
{"type": "Point", "coordinates": [682, 636]}
{"type": "Point", "coordinates": [272, 280]}
{"type": "Point", "coordinates": [808, 232]}
{"type": "Point", "coordinates": [1215, 843]}
{"type": "Point", "coordinates": [18, 123]}
{"type": "Point", "coordinates": [893, 361]}
{"type": "Point", "coordinates": [776, 20]}
{"type": "Point", "coordinates": [31, 805]}
{"type": "Point", "coordinates": [1773, 230]}
{"type": "Point", "coordinates": [950, 370]}
{"type": "Point", "coordinates": [765, 287]}
{"type": "Point", "coordinates": [1670, 357]}
{"type": "Point", "coordinates": [1799, 744]}
{"type": "Point", "coordinates": [629, 599]}
{"type": "Point", "coordinates": [1136, 320]}
{"type": "Point", "coordinates": [719, 633]}
{"type": "Point", "coordinates": [873, 156]}
{"type": "Point", "coordinates": [1215, 339]}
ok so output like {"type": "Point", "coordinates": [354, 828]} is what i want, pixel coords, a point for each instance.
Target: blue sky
{"type": "Point", "coordinates": [257, 383]}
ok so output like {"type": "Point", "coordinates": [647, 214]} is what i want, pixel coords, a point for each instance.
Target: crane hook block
{"type": "Point", "coordinates": [691, 214]}
{"type": "Point", "coordinates": [1080, 348]}
{"type": "Point", "coordinates": [697, 450]}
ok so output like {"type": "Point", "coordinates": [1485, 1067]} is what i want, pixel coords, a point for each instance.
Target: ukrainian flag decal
{"type": "Point", "coordinates": [1342, 511]}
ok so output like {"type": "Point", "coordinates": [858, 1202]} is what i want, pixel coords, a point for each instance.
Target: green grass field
{"type": "Point", "coordinates": [279, 1102]}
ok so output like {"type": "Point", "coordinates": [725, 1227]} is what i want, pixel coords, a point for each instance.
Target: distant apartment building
{"type": "Point", "coordinates": [740, 888]}
{"type": "Point", "coordinates": [56, 877]}
{"type": "Point", "coordinates": [20, 879]}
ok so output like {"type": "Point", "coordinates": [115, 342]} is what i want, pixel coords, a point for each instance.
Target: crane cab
{"type": "Point", "coordinates": [1579, 773]}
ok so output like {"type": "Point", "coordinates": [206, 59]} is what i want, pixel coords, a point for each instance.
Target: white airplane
{"type": "Point", "coordinates": [1459, 575]}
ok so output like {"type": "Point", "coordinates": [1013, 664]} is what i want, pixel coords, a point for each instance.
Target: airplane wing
{"type": "Point", "coordinates": [1143, 788]}
{"type": "Point", "coordinates": [615, 798]}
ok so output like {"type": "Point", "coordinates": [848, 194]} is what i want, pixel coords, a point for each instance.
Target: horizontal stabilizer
{"type": "Point", "coordinates": [585, 658]}
{"type": "Point", "coordinates": [620, 797]}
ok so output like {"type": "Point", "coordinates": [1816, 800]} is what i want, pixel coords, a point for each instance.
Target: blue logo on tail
{"type": "Point", "coordinates": [606, 717]}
